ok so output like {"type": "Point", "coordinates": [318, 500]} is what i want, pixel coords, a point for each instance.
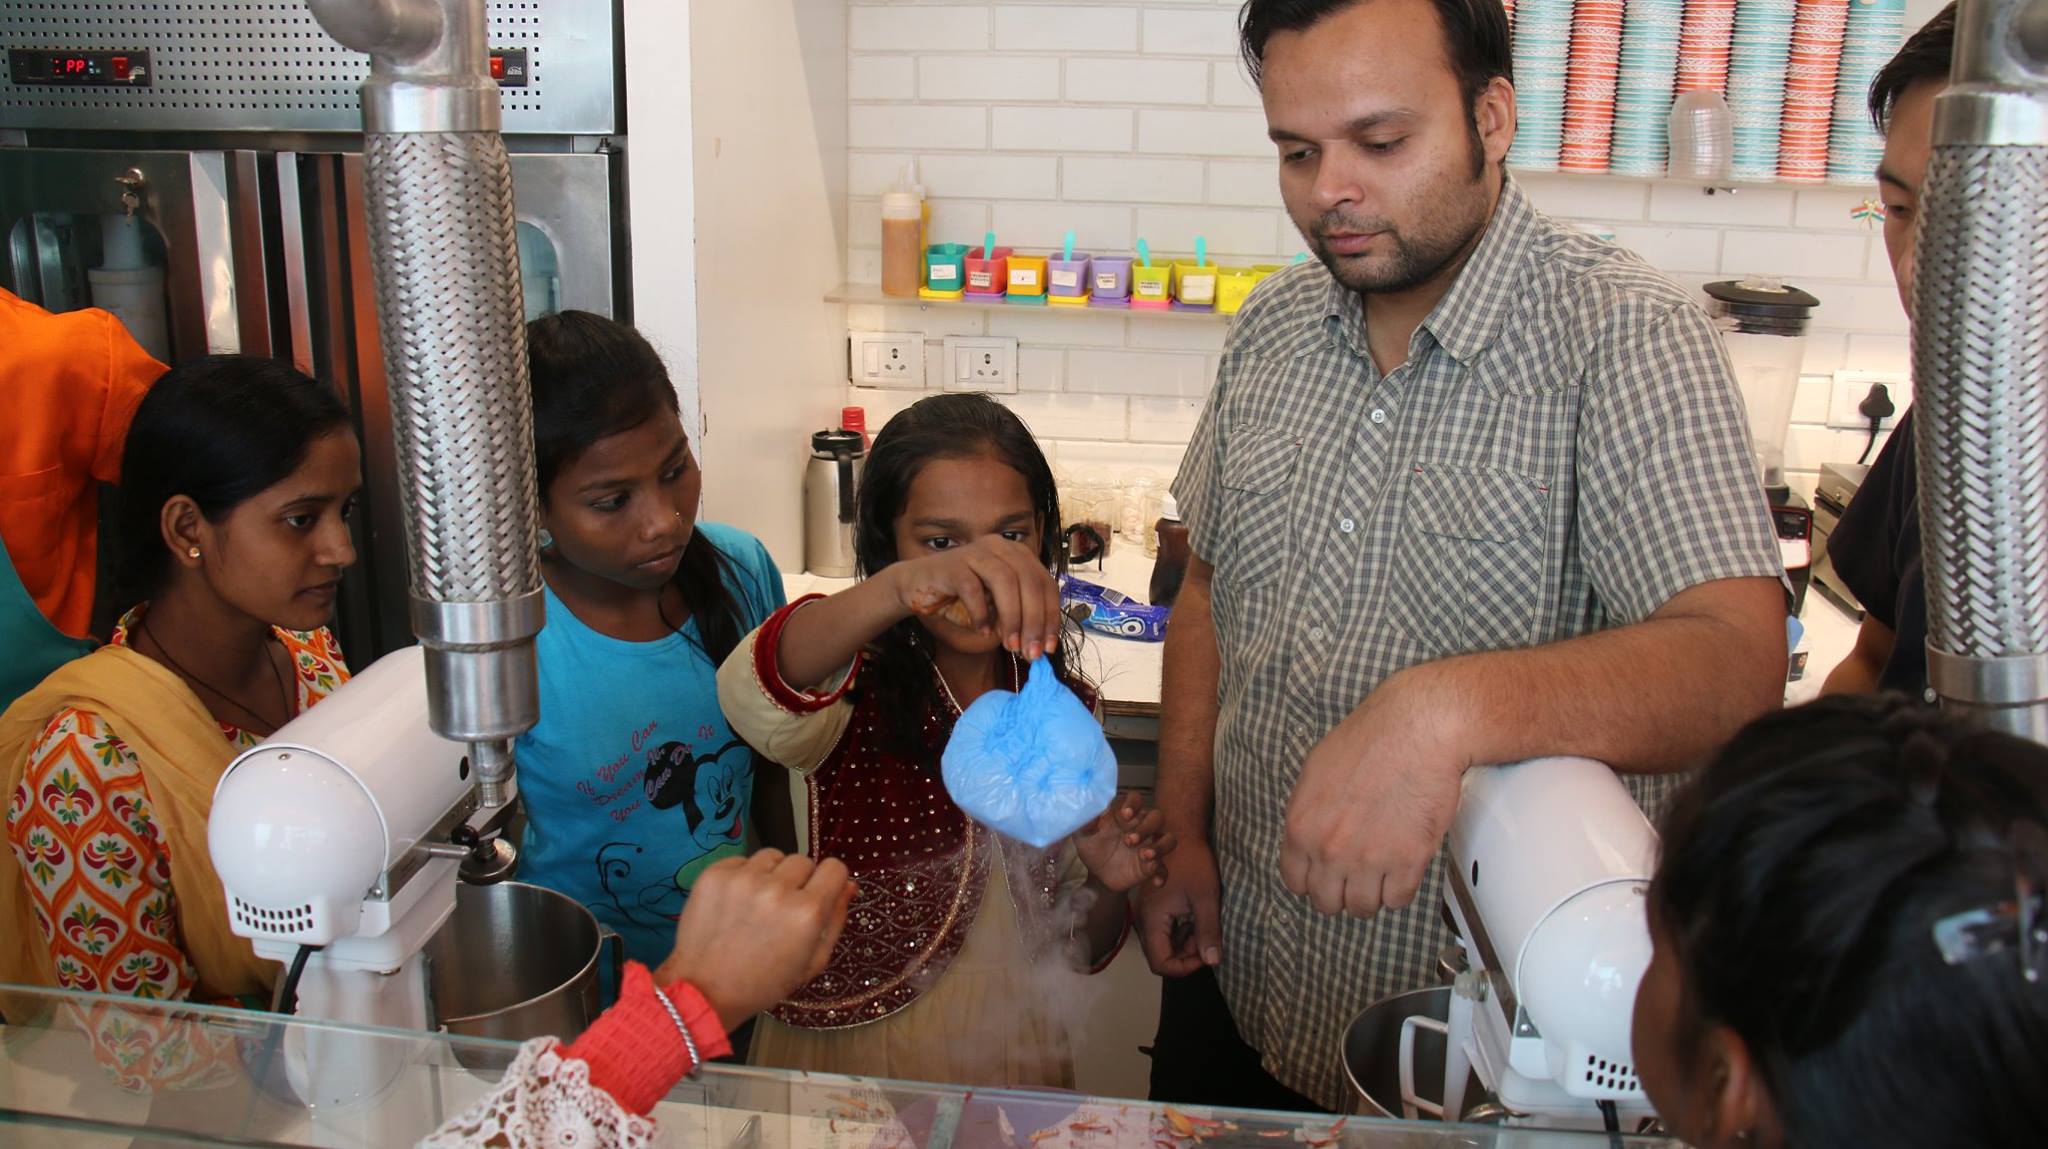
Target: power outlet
{"type": "Point", "coordinates": [981, 365]}
{"type": "Point", "coordinates": [885, 359]}
{"type": "Point", "coordinates": [1849, 390]}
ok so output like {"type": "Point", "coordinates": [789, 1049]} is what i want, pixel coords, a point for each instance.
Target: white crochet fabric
{"type": "Point", "coordinates": [545, 1101]}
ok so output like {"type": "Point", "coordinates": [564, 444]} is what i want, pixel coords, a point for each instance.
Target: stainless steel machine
{"type": "Point", "coordinates": [1980, 371]}
{"type": "Point", "coordinates": [219, 149]}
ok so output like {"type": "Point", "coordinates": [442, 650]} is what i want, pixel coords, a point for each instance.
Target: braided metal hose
{"type": "Point", "coordinates": [445, 259]}
{"type": "Point", "coordinates": [1980, 365]}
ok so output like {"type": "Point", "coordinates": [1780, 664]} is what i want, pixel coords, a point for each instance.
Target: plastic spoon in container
{"type": "Point", "coordinates": [1144, 254]}
{"type": "Point", "coordinates": [1069, 256]}
{"type": "Point", "coordinates": [988, 245]}
{"type": "Point", "coordinates": [1201, 251]}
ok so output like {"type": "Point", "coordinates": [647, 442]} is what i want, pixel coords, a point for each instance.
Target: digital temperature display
{"type": "Point", "coordinates": [45, 66]}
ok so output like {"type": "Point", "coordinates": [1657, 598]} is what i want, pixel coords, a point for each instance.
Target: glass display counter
{"type": "Point", "coordinates": [95, 1071]}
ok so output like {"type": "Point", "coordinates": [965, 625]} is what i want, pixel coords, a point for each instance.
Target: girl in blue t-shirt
{"type": "Point", "coordinates": [632, 780]}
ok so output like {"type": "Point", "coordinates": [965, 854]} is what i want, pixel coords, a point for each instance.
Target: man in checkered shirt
{"type": "Point", "coordinates": [1474, 488]}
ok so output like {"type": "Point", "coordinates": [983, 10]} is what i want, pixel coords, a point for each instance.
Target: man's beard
{"type": "Point", "coordinates": [1417, 258]}
{"type": "Point", "coordinates": [1415, 261]}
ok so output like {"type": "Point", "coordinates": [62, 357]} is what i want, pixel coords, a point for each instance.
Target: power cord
{"type": "Point", "coordinates": [1876, 407]}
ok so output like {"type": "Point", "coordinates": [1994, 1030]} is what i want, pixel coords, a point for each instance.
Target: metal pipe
{"type": "Point", "coordinates": [1980, 366]}
{"type": "Point", "coordinates": [445, 259]}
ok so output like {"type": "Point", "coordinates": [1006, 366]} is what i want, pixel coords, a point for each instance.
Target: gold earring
{"type": "Point", "coordinates": [192, 552]}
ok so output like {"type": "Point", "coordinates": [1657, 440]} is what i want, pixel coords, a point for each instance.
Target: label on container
{"type": "Point", "coordinates": [1108, 281]}
{"type": "Point", "coordinates": [1023, 277]}
{"type": "Point", "coordinates": [1066, 279]}
{"type": "Point", "coordinates": [982, 279]}
{"type": "Point", "coordinates": [945, 271]}
{"type": "Point", "coordinates": [1198, 289]}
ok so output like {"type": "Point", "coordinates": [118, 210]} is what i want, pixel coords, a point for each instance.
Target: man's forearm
{"type": "Point", "coordinates": [1655, 697]}
{"type": "Point", "coordinates": [1186, 785]}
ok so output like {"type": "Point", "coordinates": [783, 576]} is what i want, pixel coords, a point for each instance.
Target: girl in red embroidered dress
{"type": "Point", "coordinates": [942, 972]}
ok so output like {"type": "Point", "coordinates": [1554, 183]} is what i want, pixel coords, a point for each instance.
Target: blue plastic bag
{"type": "Point", "coordinates": [1033, 765]}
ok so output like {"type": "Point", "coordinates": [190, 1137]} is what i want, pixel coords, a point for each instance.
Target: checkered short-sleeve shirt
{"type": "Point", "coordinates": [1564, 450]}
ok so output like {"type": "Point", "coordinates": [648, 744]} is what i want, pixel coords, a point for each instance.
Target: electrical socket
{"type": "Point", "coordinates": [982, 364]}
{"type": "Point", "coordinates": [1848, 391]}
{"type": "Point", "coordinates": [885, 359]}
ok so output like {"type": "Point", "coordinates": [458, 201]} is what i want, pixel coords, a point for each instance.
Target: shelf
{"type": "Point", "coordinates": [1709, 186]}
{"type": "Point", "coordinates": [871, 294]}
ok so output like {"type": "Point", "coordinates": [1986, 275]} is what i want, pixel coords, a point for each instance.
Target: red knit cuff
{"type": "Point", "coordinates": [633, 1050]}
{"type": "Point", "coordinates": [768, 666]}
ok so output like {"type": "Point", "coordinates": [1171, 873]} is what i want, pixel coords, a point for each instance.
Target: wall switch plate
{"type": "Point", "coordinates": [885, 359]}
{"type": "Point", "coordinates": [981, 364]}
{"type": "Point", "coordinates": [1848, 391]}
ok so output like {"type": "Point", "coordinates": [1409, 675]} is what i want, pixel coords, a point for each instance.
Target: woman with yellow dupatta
{"type": "Point", "coordinates": [236, 486]}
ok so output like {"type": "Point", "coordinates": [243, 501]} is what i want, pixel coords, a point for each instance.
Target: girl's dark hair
{"type": "Point", "coordinates": [1476, 40]}
{"type": "Point", "coordinates": [218, 430]}
{"type": "Point", "coordinates": [1802, 877]}
{"type": "Point", "coordinates": [594, 377]}
{"type": "Point", "coordinates": [1926, 55]}
{"type": "Point", "coordinates": [941, 427]}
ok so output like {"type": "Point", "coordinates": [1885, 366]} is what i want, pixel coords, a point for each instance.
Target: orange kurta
{"type": "Point", "coordinates": [69, 384]}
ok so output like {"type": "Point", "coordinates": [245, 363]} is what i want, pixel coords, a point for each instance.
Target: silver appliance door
{"type": "Point", "coordinates": [52, 202]}
{"type": "Point", "coordinates": [568, 217]}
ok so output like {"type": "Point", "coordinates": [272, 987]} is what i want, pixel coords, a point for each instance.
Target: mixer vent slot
{"type": "Point", "coordinates": [262, 919]}
{"type": "Point", "coordinates": [1618, 1076]}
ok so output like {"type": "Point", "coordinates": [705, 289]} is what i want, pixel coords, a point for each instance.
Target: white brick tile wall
{"type": "Point", "coordinates": [1073, 416]}
{"type": "Point", "coordinates": [1041, 369]}
{"type": "Point", "coordinates": [1229, 87]}
{"type": "Point", "coordinates": [1191, 32]}
{"type": "Point", "coordinates": [979, 77]}
{"type": "Point", "coordinates": [884, 28]}
{"type": "Point", "coordinates": [991, 176]}
{"type": "Point", "coordinates": [1203, 133]}
{"type": "Point", "coordinates": [1044, 326]}
{"type": "Point", "coordinates": [881, 78]}
{"type": "Point", "coordinates": [1103, 228]}
{"type": "Point", "coordinates": [1133, 118]}
{"type": "Point", "coordinates": [915, 126]}
{"type": "Point", "coordinates": [1230, 231]}
{"type": "Point", "coordinates": [1063, 129]}
{"type": "Point", "coordinates": [1123, 179]}
{"type": "Point", "coordinates": [1795, 254]}
{"type": "Point", "coordinates": [1164, 420]}
{"type": "Point", "coordinates": [1089, 28]}
{"type": "Point", "coordinates": [1244, 183]}
{"type": "Point", "coordinates": [1138, 373]}
{"type": "Point", "coordinates": [1118, 80]}
{"type": "Point", "coordinates": [1746, 207]}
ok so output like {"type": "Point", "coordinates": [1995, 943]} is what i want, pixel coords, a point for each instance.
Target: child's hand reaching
{"type": "Point", "coordinates": [1125, 845]}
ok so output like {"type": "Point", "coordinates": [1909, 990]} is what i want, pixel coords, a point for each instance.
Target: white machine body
{"type": "Point", "coordinates": [1551, 862]}
{"type": "Point", "coordinates": [317, 833]}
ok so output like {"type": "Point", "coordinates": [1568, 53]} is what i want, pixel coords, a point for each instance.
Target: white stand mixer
{"type": "Point", "coordinates": [1549, 863]}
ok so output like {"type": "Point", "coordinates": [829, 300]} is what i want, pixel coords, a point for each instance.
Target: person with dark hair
{"type": "Point", "coordinates": [1416, 503]}
{"type": "Point", "coordinates": [1876, 546]}
{"type": "Point", "coordinates": [643, 603]}
{"type": "Point", "coordinates": [956, 534]}
{"type": "Point", "coordinates": [236, 485]}
{"type": "Point", "coordinates": [1851, 941]}
{"type": "Point", "coordinates": [70, 383]}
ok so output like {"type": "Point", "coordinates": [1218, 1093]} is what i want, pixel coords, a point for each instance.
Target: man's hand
{"type": "Point", "coordinates": [756, 928]}
{"type": "Point", "coordinates": [1374, 802]}
{"type": "Point", "coordinates": [1180, 919]}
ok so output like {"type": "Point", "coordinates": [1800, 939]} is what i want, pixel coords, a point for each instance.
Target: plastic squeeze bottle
{"type": "Point", "coordinates": [902, 238]}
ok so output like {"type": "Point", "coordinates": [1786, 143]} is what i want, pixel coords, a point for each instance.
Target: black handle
{"type": "Point", "coordinates": [844, 457]}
